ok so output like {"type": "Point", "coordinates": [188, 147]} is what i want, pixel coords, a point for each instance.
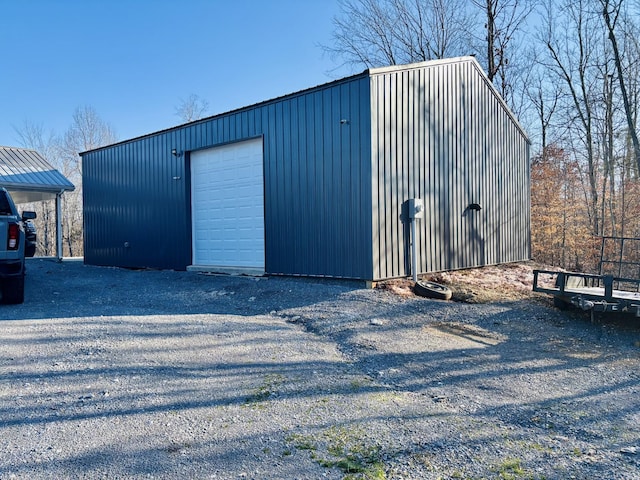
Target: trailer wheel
{"type": "Point", "coordinates": [561, 304]}
{"type": "Point", "coordinates": [432, 290]}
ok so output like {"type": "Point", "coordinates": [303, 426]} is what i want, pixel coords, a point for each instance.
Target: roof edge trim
{"type": "Point", "coordinates": [29, 187]}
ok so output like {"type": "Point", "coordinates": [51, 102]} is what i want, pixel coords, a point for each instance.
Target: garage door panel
{"type": "Point", "coordinates": [228, 206]}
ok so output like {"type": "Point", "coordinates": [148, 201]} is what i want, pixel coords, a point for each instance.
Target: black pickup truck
{"type": "Point", "coordinates": [12, 249]}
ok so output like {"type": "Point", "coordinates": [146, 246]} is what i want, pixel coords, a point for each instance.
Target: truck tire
{"type": "Point", "coordinates": [13, 291]}
{"type": "Point", "coordinates": [432, 290]}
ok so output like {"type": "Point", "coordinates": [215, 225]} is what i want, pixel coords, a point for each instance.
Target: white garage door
{"type": "Point", "coordinates": [227, 204]}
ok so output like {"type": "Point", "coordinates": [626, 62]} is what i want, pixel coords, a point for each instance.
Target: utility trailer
{"type": "Point", "coordinates": [616, 288]}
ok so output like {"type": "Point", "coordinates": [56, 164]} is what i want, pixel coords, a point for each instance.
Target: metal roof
{"type": "Point", "coordinates": [29, 177]}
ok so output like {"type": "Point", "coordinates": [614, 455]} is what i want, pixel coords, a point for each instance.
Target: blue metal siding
{"type": "Point", "coordinates": [320, 220]}
{"type": "Point", "coordinates": [441, 133]}
{"type": "Point", "coordinates": [133, 207]}
{"type": "Point", "coordinates": [317, 174]}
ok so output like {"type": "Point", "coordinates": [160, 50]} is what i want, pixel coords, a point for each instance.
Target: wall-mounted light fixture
{"type": "Point", "coordinates": [344, 121]}
{"type": "Point", "coordinates": [475, 206]}
{"type": "Point", "coordinates": [176, 153]}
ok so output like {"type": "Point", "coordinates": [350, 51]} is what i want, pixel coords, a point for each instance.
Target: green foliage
{"type": "Point", "coordinates": [345, 449]}
{"type": "Point", "coordinates": [264, 391]}
{"type": "Point", "coordinates": [301, 442]}
{"type": "Point", "coordinates": [511, 469]}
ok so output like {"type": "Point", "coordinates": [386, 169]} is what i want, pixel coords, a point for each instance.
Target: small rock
{"type": "Point", "coordinates": [630, 450]}
{"type": "Point", "coordinates": [377, 322]}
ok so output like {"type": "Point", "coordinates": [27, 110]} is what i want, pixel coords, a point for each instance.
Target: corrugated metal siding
{"type": "Point", "coordinates": [133, 207]}
{"type": "Point", "coordinates": [439, 132]}
{"type": "Point", "coordinates": [317, 186]}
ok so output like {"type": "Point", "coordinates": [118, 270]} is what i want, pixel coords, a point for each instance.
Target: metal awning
{"type": "Point", "coordinates": [29, 177]}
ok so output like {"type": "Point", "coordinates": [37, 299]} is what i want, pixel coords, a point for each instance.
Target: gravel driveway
{"type": "Point", "coordinates": [111, 373]}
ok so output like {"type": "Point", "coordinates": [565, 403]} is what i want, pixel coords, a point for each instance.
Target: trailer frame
{"type": "Point", "coordinates": [602, 292]}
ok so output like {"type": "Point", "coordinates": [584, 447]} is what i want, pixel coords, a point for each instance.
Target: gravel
{"type": "Point", "coordinates": [113, 373]}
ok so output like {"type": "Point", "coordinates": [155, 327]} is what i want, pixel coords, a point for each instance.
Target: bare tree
{"type": "Point", "coordinates": [373, 33]}
{"type": "Point", "coordinates": [611, 13]}
{"type": "Point", "coordinates": [504, 22]}
{"type": "Point", "coordinates": [34, 137]}
{"type": "Point", "coordinates": [363, 34]}
{"type": "Point", "coordinates": [631, 37]}
{"type": "Point", "coordinates": [86, 132]}
{"type": "Point", "coordinates": [581, 90]}
{"type": "Point", "coordinates": [192, 109]}
{"type": "Point", "coordinates": [432, 29]}
{"type": "Point", "coordinates": [573, 51]}
{"type": "Point", "coordinates": [544, 97]}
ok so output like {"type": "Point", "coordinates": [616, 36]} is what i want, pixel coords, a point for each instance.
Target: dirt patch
{"type": "Point", "coordinates": [513, 281]}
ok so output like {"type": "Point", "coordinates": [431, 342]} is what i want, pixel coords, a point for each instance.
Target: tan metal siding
{"type": "Point", "coordinates": [441, 133]}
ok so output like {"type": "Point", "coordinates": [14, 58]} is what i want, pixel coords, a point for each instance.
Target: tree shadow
{"type": "Point", "coordinates": [173, 353]}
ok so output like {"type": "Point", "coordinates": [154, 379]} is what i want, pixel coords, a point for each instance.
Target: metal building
{"type": "Point", "coordinates": [318, 182]}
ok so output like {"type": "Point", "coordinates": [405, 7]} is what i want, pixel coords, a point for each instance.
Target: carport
{"type": "Point", "coordinates": [30, 178]}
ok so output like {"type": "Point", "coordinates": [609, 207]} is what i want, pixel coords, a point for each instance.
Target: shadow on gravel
{"type": "Point", "coordinates": [452, 384]}
{"type": "Point", "coordinates": [119, 461]}
{"type": "Point", "coordinates": [146, 398]}
{"type": "Point", "coordinates": [520, 377]}
{"type": "Point", "coordinates": [71, 289]}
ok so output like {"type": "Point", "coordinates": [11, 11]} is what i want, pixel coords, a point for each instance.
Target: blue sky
{"type": "Point", "coordinates": [133, 60]}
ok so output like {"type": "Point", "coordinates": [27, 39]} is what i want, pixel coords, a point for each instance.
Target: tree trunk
{"type": "Point", "coordinates": [491, 39]}
{"type": "Point", "coordinates": [623, 89]}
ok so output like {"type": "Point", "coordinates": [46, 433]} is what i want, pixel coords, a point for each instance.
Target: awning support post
{"type": "Point", "coordinates": [59, 226]}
